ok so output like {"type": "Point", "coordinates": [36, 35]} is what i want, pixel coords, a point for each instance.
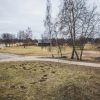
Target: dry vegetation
{"type": "Point", "coordinates": [37, 50]}
{"type": "Point", "coordinates": [48, 81]}
{"type": "Point", "coordinates": [91, 53]}
{"type": "Point", "coordinates": [31, 50]}
{"type": "Point", "coordinates": [91, 47]}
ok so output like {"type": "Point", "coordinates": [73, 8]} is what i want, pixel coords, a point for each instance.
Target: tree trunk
{"type": "Point", "coordinates": [73, 35]}
{"type": "Point", "coordinates": [81, 55]}
{"type": "Point", "coordinates": [77, 55]}
{"type": "Point", "coordinates": [74, 52]}
{"type": "Point", "coordinates": [72, 56]}
{"type": "Point", "coordinates": [60, 51]}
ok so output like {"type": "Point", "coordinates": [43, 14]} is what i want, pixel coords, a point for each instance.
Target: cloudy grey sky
{"type": "Point", "coordinates": [17, 15]}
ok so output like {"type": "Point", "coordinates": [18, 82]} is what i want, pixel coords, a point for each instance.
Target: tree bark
{"type": "Point", "coordinates": [74, 52]}
{"type": "Point", "coordinates": [81, 55]}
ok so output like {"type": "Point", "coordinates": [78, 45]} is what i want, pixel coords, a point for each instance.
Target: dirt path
{"type": "Point", "coordinates": [13, 57]}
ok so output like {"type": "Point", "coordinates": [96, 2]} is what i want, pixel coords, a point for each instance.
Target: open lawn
{"type": "Point", "coordinates": [37, 50]}
{"type": "Point", "coordinates": [91, 53]}
{"type": "Point", "coordinates": [31, 50]}
{"type": "Point", "coordinates": [92, 47]}
{"type": "Point", "coordinates": [48, 81]}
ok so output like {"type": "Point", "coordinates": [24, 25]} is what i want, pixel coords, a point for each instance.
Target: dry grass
{"type": "Point", "coordinates": [92, 47]}
{"type": "Point", "coordinates": [35, 50]}
{"type": "Point", "coordinates": [31, 50]}
{"type": "Point", "coordinates": [91, 53]}
{"type": "Point", "coordinates": [48, 81]}
{"type": "Point", "coordinates": [24, 51]}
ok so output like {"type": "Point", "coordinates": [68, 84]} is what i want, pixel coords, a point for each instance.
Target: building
{"type": "Point", "coordinates": [44, 42]}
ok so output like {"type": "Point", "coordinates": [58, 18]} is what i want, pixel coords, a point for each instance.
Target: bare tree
{"type": "Point", "coordinates": [68, 17]}
{"type": "Point", "coordinates": [78, 21]}
{"type": "Point", "coordinates": [48, 24]}
{"type": "Point", "coordinates": [8, 39]}
{"type": "Point", "coordinates": [25, 36]}
{"type": "Point", "coordinates": [88, 27]}
{"type": "Point", "coordinates": [59, 41]}
{"type": "Point", "coordinates": [20, 36]}
{"type": "Point", "coordinates": [29, 33]}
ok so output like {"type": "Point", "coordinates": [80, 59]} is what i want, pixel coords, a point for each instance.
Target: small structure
{"type": "Point", "coordinates": [43, 42]}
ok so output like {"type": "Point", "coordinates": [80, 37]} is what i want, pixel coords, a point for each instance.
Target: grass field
{"type": "Point", "coordinates": [92, 47]}
{"type": "Point", "coordinates": [36, 50]}
{"type": "Point", "coordinates": [31, 50]}
{"type": "Point", "coordinates": [48, 81]}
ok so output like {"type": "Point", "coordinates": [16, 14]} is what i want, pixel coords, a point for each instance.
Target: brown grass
{"type": "Point", "coordinates": [48, 81]}
{"type": "Point", "coordinates": [32, 50]}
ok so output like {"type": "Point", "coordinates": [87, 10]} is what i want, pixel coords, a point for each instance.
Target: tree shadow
{"type": "Point", "coordinates": [97, 59]}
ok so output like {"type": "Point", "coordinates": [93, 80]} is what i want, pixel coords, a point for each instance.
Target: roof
{"type": "Point", "coordinates": [44, 41]}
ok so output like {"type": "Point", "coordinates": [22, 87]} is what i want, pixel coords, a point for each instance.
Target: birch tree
{"type": "Point", "coordinates": [48, 24]}
{"type": "Point", "coordinates": [79, 22]}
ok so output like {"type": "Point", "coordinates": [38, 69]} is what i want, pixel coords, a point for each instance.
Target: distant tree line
{"type": "Point", "coordinates": [23, 38]}
{"type": "Point", "coordinates": [8, 39]}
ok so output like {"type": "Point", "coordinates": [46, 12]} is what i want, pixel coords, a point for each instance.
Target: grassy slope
{"type": "Point", "coordinates": [48, 81]}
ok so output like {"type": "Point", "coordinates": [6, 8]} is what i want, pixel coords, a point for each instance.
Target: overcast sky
{"type": "Point", "coordinates": [17, 15]}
